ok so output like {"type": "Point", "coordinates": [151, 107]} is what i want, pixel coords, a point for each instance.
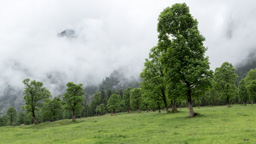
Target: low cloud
{"type": "Point", "coordinates": [109, 35]}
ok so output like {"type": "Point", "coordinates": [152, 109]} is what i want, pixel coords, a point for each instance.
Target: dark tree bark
{"type": "Point", "coordinates": [74, 115]}
{"type": "Point", "coordinates": [54, 116]}
{"type": "Point", "coordinates": [159, 109]}
{"type": "Point", "coordinates": [228, 100]}
{"type": "Point", "coordinates": [165, 101]}
{"type": "Point", "coordinates": [34, 117]}
{"type": "Point", "coordinates": [229, 105]}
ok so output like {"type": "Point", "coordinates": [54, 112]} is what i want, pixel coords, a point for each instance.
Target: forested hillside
{"type": "Point", "coordinates": [246, 65]}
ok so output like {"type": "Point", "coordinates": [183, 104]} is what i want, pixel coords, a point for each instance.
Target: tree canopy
{"type": "Point", "coordinates": [183, 52]}
{"type": "Point", "coordinates": [11, 115]}
{"type": "Point", "coordinates": [73, 98]}
{"type": "Point", "coordinates": [225, 78]}
{"type": "Point", "coordinates": [114, 103]}
{"type": "Point", "coordinates": [34, 94]}
{"type": "Point", "coordinates": [154, 79]}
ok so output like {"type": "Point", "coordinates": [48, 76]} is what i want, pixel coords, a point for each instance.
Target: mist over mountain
{"type": "Point", "coordinates": [56, 83]}
{"type": "Point", "coordinates": [85, 41]}
{"type": "Point", "coordinates": [246, 65]}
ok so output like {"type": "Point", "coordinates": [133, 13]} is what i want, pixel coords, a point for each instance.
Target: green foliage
{"type": "Point", "coordinates": [136, 99]}
{"type": "Point", "coordinates": [24, 117]}
{"type": "Point", "coordinates": [52, 109]}
{"type": "Point", "coordinates": [100, 109]}
{"type": "Point", "coordinates": [11, 114]}
{"type": "Point", "coordinates": [3, 120]}
{"type": "Point", "coordinates": [225, 78]}
{"type": "Point", "coordinates": [73, 98]}
{"type": "Point", "coordinates": [154, 80]}
{"type": "Point", "coordinates": [250, 84]}
{"type": "Point", "coordinates": [183, 53]}
{"type": "Point", "coordinates": [114, 103]}
{"type": "Point", "coordinates": [127, 99]}
{"type": "Point", "coordinates": [34, 94]}
{"type": "Point", "coordinates": [21, 118]}
{"type": "Point", "coordinates": [97, 98]}
{"type": "Point", "coordinates": [212, 96]}
{"type": "Point", "coordinates": [242, 92]}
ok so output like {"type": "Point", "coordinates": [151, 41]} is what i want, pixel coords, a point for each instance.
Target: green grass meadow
{"type": "Point", "coordinates": [218, 125]}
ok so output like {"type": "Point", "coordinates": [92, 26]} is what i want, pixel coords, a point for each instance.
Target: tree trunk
{"type": "Point", "coordinates": [228, 102]}
{"type": "Point", "coordinates": [252, 103]}
{"type": "Point", "coordinates": [147, 107]}
{"type": "Point", "coordinates": [174, 109]}
{"type": "Point", "coordinates": [74, 116]}
{"type": "Point", "coordinates": [191, 111]}
{"type": "Point", "coordinates": [34, 117]}
{"type": "Point", "coordinates": [244, 103]}
{"type": "Point", "coordinates": [11, 122]}
{"type": "Point", "coordinates": [165, 102]}
{"type": "Point", "coordinates": [54, 116]}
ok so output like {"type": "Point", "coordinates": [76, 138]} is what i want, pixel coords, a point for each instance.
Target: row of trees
{"type": "Point", "coordinates": [177, 69]}
{"type": "Point", "coordinates": [153, 94]}
{"type": "Point", "coordinates": [39, 106]}
{"type": "Point", "coordinates": [176, 73]}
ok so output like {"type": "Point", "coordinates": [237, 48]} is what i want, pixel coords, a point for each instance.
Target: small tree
{"type": "Point", "coordinates": [127, 99]}
{"type": "Point", "coordinates": [11, 115]}
{"type": "Point", "coordinates": [225, 78]}
{"type": "Point", "coordinates": [211, 96]}
{"type": "Point", "coordinates": [250, 84]}
{"type": "Point", "coordinates": [242, 92]}
{"type": "Point", "coordinates": [3, 120]}
{"type": "Point", "coordinates": [52, 109]}
{"type": "Point", "coordinates": [114, 103]}
{"type": "Point", "coordinates": [100, 109]}
{"type": "Point", "coordinates": [73, 98]}
{"type": "Point", "coordinates": [21, 118]}
{"type": "Point", "coordinates": [146, 101]}
{"type": "Point", "coordinates": [97, 98]}
{"type": "Point", "coordinates": [136, 99]}
{"type": "Point", "coordinates": [153, 76]}
{"type": "Point", "coordinates": [34, 94]}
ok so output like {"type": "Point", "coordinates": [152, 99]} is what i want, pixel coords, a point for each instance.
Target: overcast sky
{"type": "Point", "coordinates": [110, 34]}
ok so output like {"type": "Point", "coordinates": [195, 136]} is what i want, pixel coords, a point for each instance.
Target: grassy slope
{"type": "Point", "coordinates": [215, 125]}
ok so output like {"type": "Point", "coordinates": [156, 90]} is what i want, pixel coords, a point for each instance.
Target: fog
{"type": "Point", "coordinates": [109, 35]}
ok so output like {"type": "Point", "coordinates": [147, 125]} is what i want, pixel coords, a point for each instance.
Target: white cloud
{"type": "Point", "coordinates": [111, 34]}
